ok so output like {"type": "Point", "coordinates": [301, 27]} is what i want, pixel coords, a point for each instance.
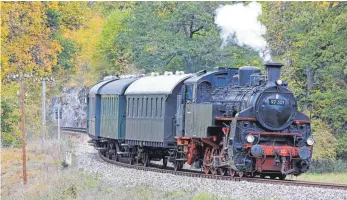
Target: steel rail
{"type": "Point", "coordinates": [192, 173]}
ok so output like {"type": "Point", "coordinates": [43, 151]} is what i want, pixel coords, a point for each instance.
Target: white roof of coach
{"type": "Point", "coordinates": [158, 84]}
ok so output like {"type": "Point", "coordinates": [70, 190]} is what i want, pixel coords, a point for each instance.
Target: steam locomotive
{"type": "Point", "coordinates": [233, 121]}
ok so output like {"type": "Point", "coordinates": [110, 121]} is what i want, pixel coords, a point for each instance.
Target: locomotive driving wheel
{"type": "Point", "coordinates": [222, 159]}
{"type": "Point", "coordinates": [222, 171]}
{"type": "Point", "coordinates": [232, 172]}
{"type": "Point", "coordinates": [213, 159]}
{"type": "Point", "coordinates": [207, 160]}
{"type": "Point", "coordinates": [241, 174]}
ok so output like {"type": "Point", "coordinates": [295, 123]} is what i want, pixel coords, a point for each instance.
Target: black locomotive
{"type": "Point", "coordinates": [229, 121]}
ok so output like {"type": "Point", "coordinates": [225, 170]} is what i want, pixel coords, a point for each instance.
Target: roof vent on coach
{"type": "Point", "coordinates": [179, 73]}
{"type": "Point", "coordinates": [166, 73]}
{"type": "Point", "coordinates": [155, 74]}
{"type": "Point", "coordinates": [106, 78]}
{"type": "Point", "coordinates": [127, 76]}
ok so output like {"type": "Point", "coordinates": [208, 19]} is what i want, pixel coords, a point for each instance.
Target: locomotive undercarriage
{"type": "Point", "coordinates": [274, 154]}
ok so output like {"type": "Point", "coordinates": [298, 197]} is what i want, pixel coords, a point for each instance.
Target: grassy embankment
{"type": "Point", "coordinates": [324, 177]}
{"type": "Point", "coordinates": [48, 179]}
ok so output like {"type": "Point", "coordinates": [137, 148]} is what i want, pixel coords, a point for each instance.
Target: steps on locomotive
{"type": "Point", "coordinates": [181, 159]}
{"type": "Point", "coordinates": [122, 153]}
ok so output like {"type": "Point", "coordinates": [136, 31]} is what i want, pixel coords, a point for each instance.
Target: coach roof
{"type": "Point", "coordinates": [161, 84]}
{"type": "Point", "coordinates": [116, 87]}
{"type": "Point", "coordinates": [95, 89]}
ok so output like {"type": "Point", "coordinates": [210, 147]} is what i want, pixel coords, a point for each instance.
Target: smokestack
{"type": "Point", "coordinates": [273, 71]}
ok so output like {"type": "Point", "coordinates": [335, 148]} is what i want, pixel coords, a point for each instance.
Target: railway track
{"type": "Point", "coordinates": [192, 173]}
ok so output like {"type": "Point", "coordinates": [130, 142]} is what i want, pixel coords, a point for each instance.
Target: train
{"type": "Point", "coordinates": [230, 121]}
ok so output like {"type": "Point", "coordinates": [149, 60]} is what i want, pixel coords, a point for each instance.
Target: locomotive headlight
{"type": "Point", "coordinates": [279, 82]}
{"type": "Point", "coordinates": [250, 138]}
{"type": "Point", "coordinates": [310, 141]}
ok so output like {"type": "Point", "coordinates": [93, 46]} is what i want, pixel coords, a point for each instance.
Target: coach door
{"type": "Point", "coordinates": [92, 116]}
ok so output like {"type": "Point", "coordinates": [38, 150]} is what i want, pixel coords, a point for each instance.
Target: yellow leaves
{"type": "Point", "coordinates": [149, 49]}
{"type": "Point", "coordinates": [53, 5]}
{"type": "Point", "coordinates": [4, 66]}
{"type": "Point", "coordinates": [87, 37]}
{"type": "Point", "coordinates": [26, 40]}
{"type": "Point", "coordinates": [325, 145]}
{"type": "Point", "coordinates": [162, 13]}
{"type": "Point", "coordinates": [323, 4]}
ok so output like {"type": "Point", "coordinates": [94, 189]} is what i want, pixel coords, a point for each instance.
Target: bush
{"type": "Point", "coordinates": [325, 145]}
{"type": "Point", "coordinates": [9, 124]}
{"type": "Point", "coordinates": [328, 166]}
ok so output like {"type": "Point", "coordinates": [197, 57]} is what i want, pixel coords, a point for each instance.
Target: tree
{"type": "Point", "coordinates": [32, 42]}
{"type": "Point", "coordinates": [178, 36]}
{"type": "Point", "coordinates": [109, 52]}
{"type": "Point", "coordinates": [23, 24]}
{"type": "Point", "coordinates": [311, 37]}
{"type": "Point", "coordinates": [325, 145]}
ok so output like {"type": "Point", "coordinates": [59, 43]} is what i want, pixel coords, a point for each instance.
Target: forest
{"type": "Point", "coordinates": [79, 43]}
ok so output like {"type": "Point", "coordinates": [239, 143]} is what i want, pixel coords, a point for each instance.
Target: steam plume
{"type": "Point", "coordinates": [240, 23]}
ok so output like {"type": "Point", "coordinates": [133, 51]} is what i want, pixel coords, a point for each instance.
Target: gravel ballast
{"type": "Point", "coordinates": [87, 159]}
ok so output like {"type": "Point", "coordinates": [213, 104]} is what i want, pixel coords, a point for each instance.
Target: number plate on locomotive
{"type": "Point", "coordinates": [278, 102]}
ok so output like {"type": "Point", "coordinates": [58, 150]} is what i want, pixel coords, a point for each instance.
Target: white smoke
{"type": "Point", "coordinates": [240, 23]}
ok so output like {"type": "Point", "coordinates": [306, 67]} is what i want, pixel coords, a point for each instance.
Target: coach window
{"type": "Point", "coordinates": [133, 108]}
{"type": "Point", "coordinates": [143, 107]}
{"type": "Point", "coordinates": [146, 106]}
{"type": "Point", "coordinates": [140, 108]}
{"type": "Point", "coordinates": [156, 107]}
{"type": "Point", "coordinates": [102, 105]}
{"type": "Point", "coordinates": [128, 107]}
{"type": "Point", "coordinates": [161, 107]}
{"type": "Point", "coordinates": [114, 105]}
{"type": "Point", "coordinates": [105, 105]}
{"type": "Point", "coordinates": [137, 107]}
{"type": "Point", "coordinates": [111, 105]}
{"type": "Point", "coordinates": [152, 108]}
{"type": "Point", "coordinates": [108, 106]}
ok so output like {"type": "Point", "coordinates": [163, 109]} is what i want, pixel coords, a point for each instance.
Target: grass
{"type": "Point", "coordinates": [48, 179]}
{"type": "Point", "coordinates": [324, 177]}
